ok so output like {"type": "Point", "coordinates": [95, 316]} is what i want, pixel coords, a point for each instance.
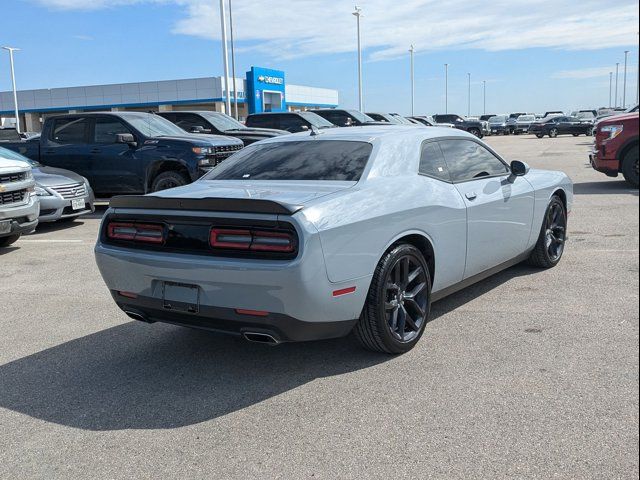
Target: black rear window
{"type": "Point", "coordinates": [307, 160]}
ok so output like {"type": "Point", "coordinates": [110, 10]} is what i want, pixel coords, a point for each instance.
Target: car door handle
{"type": "Point", "coordinates": [471, 195]}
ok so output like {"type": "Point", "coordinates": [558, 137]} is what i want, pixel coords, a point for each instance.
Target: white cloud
{"type": "Point", "coordinates": [290, 29]}
{"type": "Point", "coordinates": [591, 72]}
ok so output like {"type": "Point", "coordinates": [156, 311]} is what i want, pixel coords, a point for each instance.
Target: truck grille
{"type": "Point", "coordinates": [16, 196]}
{"type": "Point", "coordinates": [224, 151]}
{"type": "Point", "coordinates": [71, 191]}
{"type": "Point", "coordinates": [13, 177]}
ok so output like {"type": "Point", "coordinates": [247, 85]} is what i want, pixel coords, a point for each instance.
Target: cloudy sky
{"type": "Point", "coordinates": [533, 55]}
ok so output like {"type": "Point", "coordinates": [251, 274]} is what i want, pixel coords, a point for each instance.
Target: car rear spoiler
{"type": "Point", "coordinates": [241, 205]}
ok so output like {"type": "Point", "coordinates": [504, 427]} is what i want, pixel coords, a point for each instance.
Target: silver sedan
{"type": "Point", "coordinates": [319, 234]}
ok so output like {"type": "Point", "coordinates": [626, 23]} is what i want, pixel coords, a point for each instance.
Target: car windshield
{"type": "Point", "coordinates": [154, 125]}
{"type": "Point", "coordinates": [526, 118]}
{"type": "Point", "coordinates": [498, 119]}
{"type": "Point", "coordinates": [11, 155]}
{"type": "Point", "coordinates": [587, 115]}
{"type": "Point", "coordinates": [632, 109]}
{"type": "Point", "coordinates": [316, 120]}
{"type": "Point", "coordinates": [306, 160]}
{"type": "Point", "coordinates": [221, 121]}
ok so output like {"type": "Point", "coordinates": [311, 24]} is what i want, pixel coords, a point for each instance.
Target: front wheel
{"type": "Point", "coordinates": [6, 241]}
{"type": "Point", "coordinates": [167, 180]}
{"type": "Point", "coordinates": [553, 234]}
{"type": "Point", "coordinates": [398, 302]}
{"type": "Point", "coordinates": [476, 132]}
{"type": "Point", "coordinates": [539, 135]}
{"type": "Point", "coordinates": [630, 167]}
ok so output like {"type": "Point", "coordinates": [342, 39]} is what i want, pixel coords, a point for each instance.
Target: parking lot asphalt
{"type": "Point", "coordinates": [528, 374]}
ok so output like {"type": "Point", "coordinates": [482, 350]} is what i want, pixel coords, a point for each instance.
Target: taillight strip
{"type": "Point", "coordinates": [252, 239]}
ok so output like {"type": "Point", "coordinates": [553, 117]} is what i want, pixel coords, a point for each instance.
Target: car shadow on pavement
{"type": "Point", "coordinates": [48, 227]}
{"type": "Point", "coordinates": [610, 187]}
{"type": "Point", "coordinates": [136, 376]}
{"type": "Point", "coordinates": [460, 298]}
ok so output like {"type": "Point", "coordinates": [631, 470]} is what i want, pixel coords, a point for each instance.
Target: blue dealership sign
{"type": "Point", "coordinates": [266, 90]}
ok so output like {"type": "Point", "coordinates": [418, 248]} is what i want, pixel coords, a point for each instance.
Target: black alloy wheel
{"type": "Point", "coordinates": [167, 180]}
{"type": "Point", "coordinates": [553, 235]}
{"type": "Point", "coordinates": [398, 302]}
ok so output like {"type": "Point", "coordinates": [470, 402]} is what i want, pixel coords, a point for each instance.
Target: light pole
{"type": "Point", "coordinates": [446, 88]}
{"type": "Point", "coordinates": [13, 82]}
{"type": "Point", "coordinates": [411, 50]}
{"type": "Point", "coordinates": [233, 65]}
{"type": "Point", "coordinates": [615, 99]}
{"type": "Point", "coordinates": [468, 94]}
{"type": "Point", "coordinates": [225, 59]}
{"type": "Point", "coordinates": [484, 97]}
{"type": "Point", "coordinates": [624, 80]}
{"type": "Point", "coordinates": [610, 86]}
{"type": "Point", "coordinates": [358, 13]}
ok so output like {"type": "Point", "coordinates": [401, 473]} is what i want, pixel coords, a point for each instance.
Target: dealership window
{"type": "Point", "coordinates": [468, 160]}
{"type": "Point", "coordinates": [432, 162]}
{"type": "Point", "coordinates": [106, 130]}
{"type": "Point", "coordinates": [69, 130]}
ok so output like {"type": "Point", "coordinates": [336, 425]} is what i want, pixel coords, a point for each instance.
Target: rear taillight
{"type": "Point", "coordinates": [136, 232]}
{"type": "Point", "coordinates": [252, 240]}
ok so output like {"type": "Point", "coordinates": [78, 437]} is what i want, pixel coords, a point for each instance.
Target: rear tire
{"type": "Point", "coordinates": [397, 306]}
{"type": "Point", "coordinates": [170, 179]}
{"type": "Point", "coordinates": [6, 241]}
{"type": "Point", "coordinates": [553, 234]}
{"type": "Point", "coordinates": [630, 167]}
{"type": "Point", "coordinates": [553, 133]}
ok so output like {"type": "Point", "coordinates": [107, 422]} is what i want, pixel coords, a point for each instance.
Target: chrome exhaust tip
{"type": "Point", "coordinates": [138, 316]}
{"type": "Point", "coordinates": [259, 337]}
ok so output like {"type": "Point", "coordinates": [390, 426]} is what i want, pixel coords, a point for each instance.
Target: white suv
{"type": "Point", "coordinates": [19, 206]}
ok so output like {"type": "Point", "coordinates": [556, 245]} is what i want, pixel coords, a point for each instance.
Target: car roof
{"type": "Point", "coordinates": [372, 133]}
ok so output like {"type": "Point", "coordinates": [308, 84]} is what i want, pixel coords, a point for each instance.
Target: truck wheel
{"type": "Point", "coordinates": [6, 241]}
{"type": "Point", "coordinates": [168, 180]}
{"type": "Point", "coordinates": [398, 302]}
{"type": "Point", "coordinates": [476, 132]}
{"type": "Point", "coordinates": [630, 167]}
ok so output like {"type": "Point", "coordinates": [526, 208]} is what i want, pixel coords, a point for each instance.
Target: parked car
{"type": "Point", "coordinates": [126, 152]}
{"type": "Point", "coordinates": [62, 194]}
{"type": "Point", "coordinates": [498, 125]}
{"type": "Point", "coordinates": [471, 126]}
{"type": "Point", "coordinates": [585, 114]}
{"type": "Point", "coordinates": [429, 121]}
{"type": "Point", "coordinates": [291, 122]}
{"type": "Point", "coordinates": [485, 118]}
{"type": "Point", "coordinates": [344, 117]}
{"type": "Point", "coordinates": [523, 122]}
{"type": "Point", "coordinates": [554, 126]}
{"type": "Point", "coordinates": [218, 123]}
{"type": "Point", "coordinates": [19, 205]}
{"type": "Point", "coordinates": [616, 147]}
{"type": "Point", "coordinates": [311, 236]}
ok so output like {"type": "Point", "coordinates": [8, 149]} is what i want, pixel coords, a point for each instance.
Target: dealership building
{"type": "Point", "coordinates": [262, 90]}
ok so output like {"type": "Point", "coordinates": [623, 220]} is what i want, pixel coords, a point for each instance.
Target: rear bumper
{"type": "Point", "coordinates": [282, 328]}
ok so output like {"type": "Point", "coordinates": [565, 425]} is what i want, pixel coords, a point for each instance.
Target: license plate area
{"type": "Point", "coordinates": [77, 203]}
{"type": "Point", "coordinates": [5, 226]}
{"type": "Point", "coordinates": [180, 297]}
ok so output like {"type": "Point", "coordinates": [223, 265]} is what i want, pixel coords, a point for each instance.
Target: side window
{"type": "Point", "coordinates": [187, 121]}
{"type": "Point", "coordinates": [264, 121]}
{"type": "Point", "coordinates": [432, 162]}
{"type": "Point", "coordinates": [106, 130]}
{"type": "Point", "coordinates": [468, 160]}
{"type": "Point", "coordinates": [69, 130]}
{"type": "Point", "coordinates": [339, 118]}
{"type": "Point", "coordinates": [291, 123]}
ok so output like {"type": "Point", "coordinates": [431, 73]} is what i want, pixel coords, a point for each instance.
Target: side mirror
{"type": "Point", "coordinates": [519, 169]}
{"type": "Point", "coordinates": [304, 128]}
{"type": "Point", "coordinates": [126, 138]}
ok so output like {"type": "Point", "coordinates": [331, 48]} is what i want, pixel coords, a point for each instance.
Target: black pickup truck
{"type": "Point", "coordinates": [125, 152]}
{"type": "Point", "coordinates": [471, 126]}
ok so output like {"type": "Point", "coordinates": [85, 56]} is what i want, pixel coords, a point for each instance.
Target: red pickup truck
{"type": "Point", "coordinates": [616, 147]}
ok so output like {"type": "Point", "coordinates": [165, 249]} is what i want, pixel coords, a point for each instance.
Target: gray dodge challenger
{"type": "Point", "coordinates": [322, 233]}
